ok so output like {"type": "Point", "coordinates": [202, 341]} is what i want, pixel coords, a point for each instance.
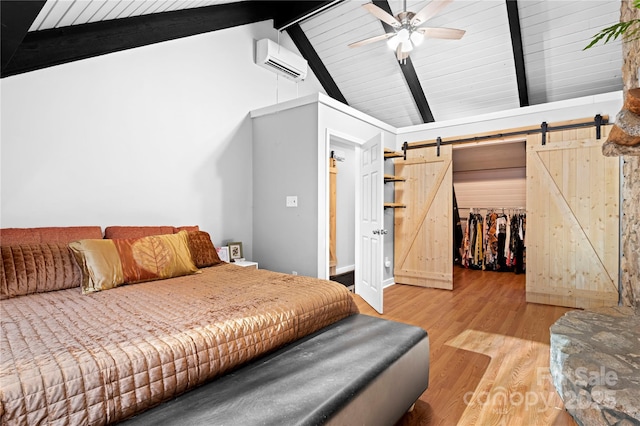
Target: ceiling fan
{"type": "Point", "coordinates": [408, 32]}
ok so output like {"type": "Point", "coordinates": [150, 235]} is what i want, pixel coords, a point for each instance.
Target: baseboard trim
{"type": "Point", "coordinates": [388, 283]}
{"type": "Point", "coordinates": [345, 269]}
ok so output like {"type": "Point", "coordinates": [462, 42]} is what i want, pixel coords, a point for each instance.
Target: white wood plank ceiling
{"type": "Point", "coordinates": [63, 13]}
{"type": "Point", "coordinates": [474, 75]}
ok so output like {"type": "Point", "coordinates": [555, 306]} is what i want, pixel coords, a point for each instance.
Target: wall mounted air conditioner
{"type": "Point", "coordinates": [276, 58]}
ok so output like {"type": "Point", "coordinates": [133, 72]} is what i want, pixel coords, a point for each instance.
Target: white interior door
{"type": "Point", "coordinates": [371, 233]}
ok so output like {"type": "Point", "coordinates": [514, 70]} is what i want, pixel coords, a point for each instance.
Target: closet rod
{"type": "Point", "coordinates": [491, 208]}
{"type": "Point", "coordinates": [596, 121]}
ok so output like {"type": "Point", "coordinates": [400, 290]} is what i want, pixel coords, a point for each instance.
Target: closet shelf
{"type": "Point", "coordinates": [394, 206]}
{"type": "Point", "coordinates": [392, 178]}
{"type": "Point", "coordinates": [389, 153]}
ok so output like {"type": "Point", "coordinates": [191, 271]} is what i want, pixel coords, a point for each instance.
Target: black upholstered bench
{"type": "Point", "coordinates": [359, 371]}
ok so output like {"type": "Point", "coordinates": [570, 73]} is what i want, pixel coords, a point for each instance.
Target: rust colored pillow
{"type": "Point", "coordinates": [51, 235]}
{"type": "Point", "coordinates": [202, 249]}
{"type": "Point", "coordinates": [107, 264]}
{"type": "Point", "coordinates": [113, 232]}
{"type": "Point", "coordinates": [37, 268]}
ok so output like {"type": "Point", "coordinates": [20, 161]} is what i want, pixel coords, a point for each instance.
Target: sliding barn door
{"type": "Point", "coordinates": [572, 230]}
{"type": "Point", "coordinates": [424, 229]}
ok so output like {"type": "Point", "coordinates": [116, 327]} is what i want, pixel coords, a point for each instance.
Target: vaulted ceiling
{"type": "Point", "coordinates": [513, 54]}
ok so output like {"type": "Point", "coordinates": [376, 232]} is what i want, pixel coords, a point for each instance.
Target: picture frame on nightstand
{"type": "Point", "coordinates": [223, 253]}
{"type": "Point", "coordinates": [235, 251]}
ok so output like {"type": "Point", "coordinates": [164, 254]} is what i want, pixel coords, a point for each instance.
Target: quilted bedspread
{"type": "Point", "coordinates": [68, 358]}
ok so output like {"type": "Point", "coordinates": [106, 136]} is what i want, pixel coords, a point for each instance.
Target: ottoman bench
{"type": "Point", "coordinates": [361, 370]}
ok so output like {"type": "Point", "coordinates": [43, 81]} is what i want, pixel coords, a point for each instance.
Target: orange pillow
{"type": "Point", "coordinates": [107, 264]}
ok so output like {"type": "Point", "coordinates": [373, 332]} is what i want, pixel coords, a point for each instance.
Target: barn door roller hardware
{"type": "Point", "coordinates": [598, 121]}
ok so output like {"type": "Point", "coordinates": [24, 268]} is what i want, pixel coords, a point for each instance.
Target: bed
{"type": "Point", "coordinates": [102, 357]}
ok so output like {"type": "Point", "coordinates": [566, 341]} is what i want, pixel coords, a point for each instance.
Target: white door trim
{"type": "Point", "coordinates": [324, 150]}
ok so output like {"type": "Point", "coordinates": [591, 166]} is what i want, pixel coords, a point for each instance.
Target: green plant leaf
{"type": "Point", "coordinates": [629, 30]}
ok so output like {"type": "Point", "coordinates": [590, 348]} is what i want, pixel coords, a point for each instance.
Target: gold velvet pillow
{"type": "Point", "coordinates": [100, 264]}
{"type": "Point", "coordinates": [202, 249]}
{"type": "Point", "coordinates": [107, 264]}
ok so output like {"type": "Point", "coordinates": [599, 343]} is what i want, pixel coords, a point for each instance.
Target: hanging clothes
{"type": "Point", "coordinates": [518, 230]}
{"type": "Point", "coordinates": [495, 241]}
{"type": "Point", "coordinates": [472, 245]}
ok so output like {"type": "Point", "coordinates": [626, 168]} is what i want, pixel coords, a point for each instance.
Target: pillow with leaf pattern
{"type": "Point", "coordinates": [108, 263]}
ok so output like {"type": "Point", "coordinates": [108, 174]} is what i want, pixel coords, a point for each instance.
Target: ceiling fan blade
{"type": "Point", "coordinates": [445, 33]}
{"type": "Point", "coordinates": [371, 40]}
{"type": "Point", "coordinates": [381, 15]}
{"type": "Point", "coordinates": [429, 11]}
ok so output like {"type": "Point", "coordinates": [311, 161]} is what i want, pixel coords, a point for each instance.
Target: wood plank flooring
{"type": "Point", "coordinates": [489, 351]}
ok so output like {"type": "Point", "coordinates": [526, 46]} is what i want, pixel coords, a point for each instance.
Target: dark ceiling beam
{"type": "Point", "coordinates": [22, 14]}
{"type": "Point", "coordinates": [518, 51]}
{"type": "Point", "coordinates": [409, 72]}
{"type": "Point", "coordinates": [56, 46]}
{"type": "Point", "coordinates": [290, 12]}
{"type": "Point", "coordinates": [317, 66]}
{"type": "Point", "coordinates": [416, 90]}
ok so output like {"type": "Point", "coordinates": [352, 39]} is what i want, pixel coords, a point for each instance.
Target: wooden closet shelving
{"type": "Point", "coordinates": [389, 153]}
{"type": "Point", "coordinates": [392, 178]}
{"type": "Point", "coordinates": [394, 206]}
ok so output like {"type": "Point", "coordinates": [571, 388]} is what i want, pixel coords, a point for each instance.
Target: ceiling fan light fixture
{"type": "Point", "coordinates": [403, 35]}
{"type": "Point", "coordinates": [407, 31]}
{"type": "Point", "coordinates": [393, 42]}
{"type": "Point", "coordinates": [417, 38]}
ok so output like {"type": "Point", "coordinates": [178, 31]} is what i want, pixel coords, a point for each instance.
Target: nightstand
{"type": "Point", "coordinates": [246, 264]}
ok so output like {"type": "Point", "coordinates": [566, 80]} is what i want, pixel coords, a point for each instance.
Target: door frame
{"type": "Point", "coordinates": [324, 150]}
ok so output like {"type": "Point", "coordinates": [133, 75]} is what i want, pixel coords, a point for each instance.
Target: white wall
{"type": "Point", "coordinates": [585, 107]}
{"type": "Point", "coordinates": [286, 164]}
{"type": "Point", "coordinates": [157, 135]}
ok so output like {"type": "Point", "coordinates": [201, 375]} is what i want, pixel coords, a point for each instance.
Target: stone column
{"type": "Point", "coordinates": [630, 220]}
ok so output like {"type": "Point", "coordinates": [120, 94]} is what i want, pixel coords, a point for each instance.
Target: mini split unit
{"type": "Point", "coordinates": [272, 56]}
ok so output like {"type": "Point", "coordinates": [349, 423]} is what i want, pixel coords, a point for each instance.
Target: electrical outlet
{"type": "Point", "coordinates": [294, 273]}
{"type": "Point", "coordinates": [292, 201]}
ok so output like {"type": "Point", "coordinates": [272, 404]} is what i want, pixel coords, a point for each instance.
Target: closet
{"type": "Point", "coordinates": [490, 185]}
{"type": "Point", "coordinates": [292, 144]}
{"type": "Point", "coordinates": [553, 181]}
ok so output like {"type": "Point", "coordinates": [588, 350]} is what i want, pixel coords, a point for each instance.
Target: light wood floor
{"type": "Point", "coordinates": [489, 351]}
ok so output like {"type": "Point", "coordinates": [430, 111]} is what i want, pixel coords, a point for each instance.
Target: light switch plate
{"type": "Point", "coordinates": [292, 201]}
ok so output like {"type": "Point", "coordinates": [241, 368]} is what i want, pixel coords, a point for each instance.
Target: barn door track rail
{"type": "Point", "coordinates": [598, 121]}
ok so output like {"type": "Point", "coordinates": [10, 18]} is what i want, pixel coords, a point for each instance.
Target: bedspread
{"type": "Point", "coordinates": [68, 358]}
